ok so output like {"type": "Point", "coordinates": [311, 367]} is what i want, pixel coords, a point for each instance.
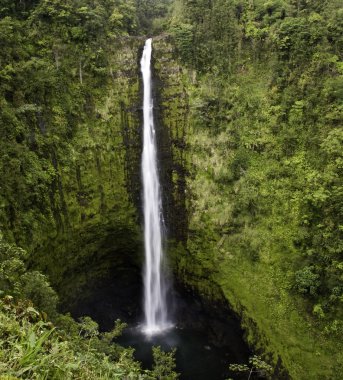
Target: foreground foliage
{"type": "Point", "coordinates": [256, 366]}
{"type": "Point", "coordinates": [44, 344]}
{"type": "Point", "coordinates": [32, 348]}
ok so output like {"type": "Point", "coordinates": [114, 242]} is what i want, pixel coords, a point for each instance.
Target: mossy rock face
{"type": "Point", "coordinates": [228, 251]}
{"type": "Point", "coordinates": [171, 119]}
{"type": "Point", "coordinates": [77, 261]}
{"type": "Point", "coordinates": [95, 203]}
{"type": "Point", "coordinates": [86, 226]}
{"type": "Point", "coordinates": [77, 211]}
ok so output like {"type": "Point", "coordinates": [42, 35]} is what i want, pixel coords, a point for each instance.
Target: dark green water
{"type": "Point", "coordinates": [196, 357]}
{"type": "Point", "coordinates": [207, 336]}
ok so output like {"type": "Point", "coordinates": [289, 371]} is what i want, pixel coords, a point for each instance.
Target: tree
{"type": "Point", "coordinates": [256, 366]}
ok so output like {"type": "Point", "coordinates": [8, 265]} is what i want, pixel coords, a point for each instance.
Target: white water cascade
{"type": "Point", "coordinates": [155, 305]}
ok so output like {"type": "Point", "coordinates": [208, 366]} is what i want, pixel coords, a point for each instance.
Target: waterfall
{"type": "Point", "coordinates": [155, 305]}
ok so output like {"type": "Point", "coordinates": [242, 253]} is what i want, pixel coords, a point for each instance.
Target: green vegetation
{"type": "Point", "coordinates": [256, 365]}
{"type": "Point", "coordinates": [32, 348]}
{"type": "Point", "coordinates": [265, 152]}
{"type": "Point", "coordinates": [69, 94]}
{"type": "Point", "coordinates": [152, 16]}
{"type": "Point", "coordinates": [37, 342]}
{"type": "Point", "coordinates": [251, 101]}
{"type": "Point", "coordinates": [60, 115]}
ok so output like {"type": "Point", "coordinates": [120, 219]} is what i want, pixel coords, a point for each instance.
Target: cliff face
{"type": "Point", "coordinates": [243, 180]}
{"type": "Point", "coordinates": [88, 224]}
{"type": "Point", "coordinates": [171, 117]}
{"type": "Point", "coordinates": [83, 145]}
{"type": "Point", "coordinates": [95, 205]}
{"type": "Point", "coordinates": [78, 210]}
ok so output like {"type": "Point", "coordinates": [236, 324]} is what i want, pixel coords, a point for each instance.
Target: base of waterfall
{"type": "Point", "coordinates": [206, 335]}
{"type": "Point", "coordinates": [197, 356]}
{"type": "Point", "coordinates": [153, 330]}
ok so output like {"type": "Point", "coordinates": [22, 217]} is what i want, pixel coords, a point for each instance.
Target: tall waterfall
{"type": "Point", "coordinates": [155, 307]}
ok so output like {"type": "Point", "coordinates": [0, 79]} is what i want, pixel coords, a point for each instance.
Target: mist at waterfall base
{"type": "Point", "coordinates": [207, 339]}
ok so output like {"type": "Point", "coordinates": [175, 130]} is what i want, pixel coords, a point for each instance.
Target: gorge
{"type": "Point", "coordinates": [247, 112]}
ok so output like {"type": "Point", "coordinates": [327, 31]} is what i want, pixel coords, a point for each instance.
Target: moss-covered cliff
{"type": "Point", "coordinates": [171, 115]}
{"type": "Point", "coordinates": [95, 219]}
{"type": "Point", "coordinates": [70, 124]}
{"type": "Point", "coordinates": [263, 172]}
{"type": "Point", "coordinates": [247, 105]}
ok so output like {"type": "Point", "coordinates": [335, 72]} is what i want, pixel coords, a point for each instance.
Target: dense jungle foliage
{"type": "Point", "coordinates": [265, 166]}
{"type": "Point", "coordinates": [266, 160]}
{"type": "Point", "coordinates": [57, 60]}
{"type": "Point", "coordinates": [270, 103]}
{"type": "Point", "coordinates": [37, 342]}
